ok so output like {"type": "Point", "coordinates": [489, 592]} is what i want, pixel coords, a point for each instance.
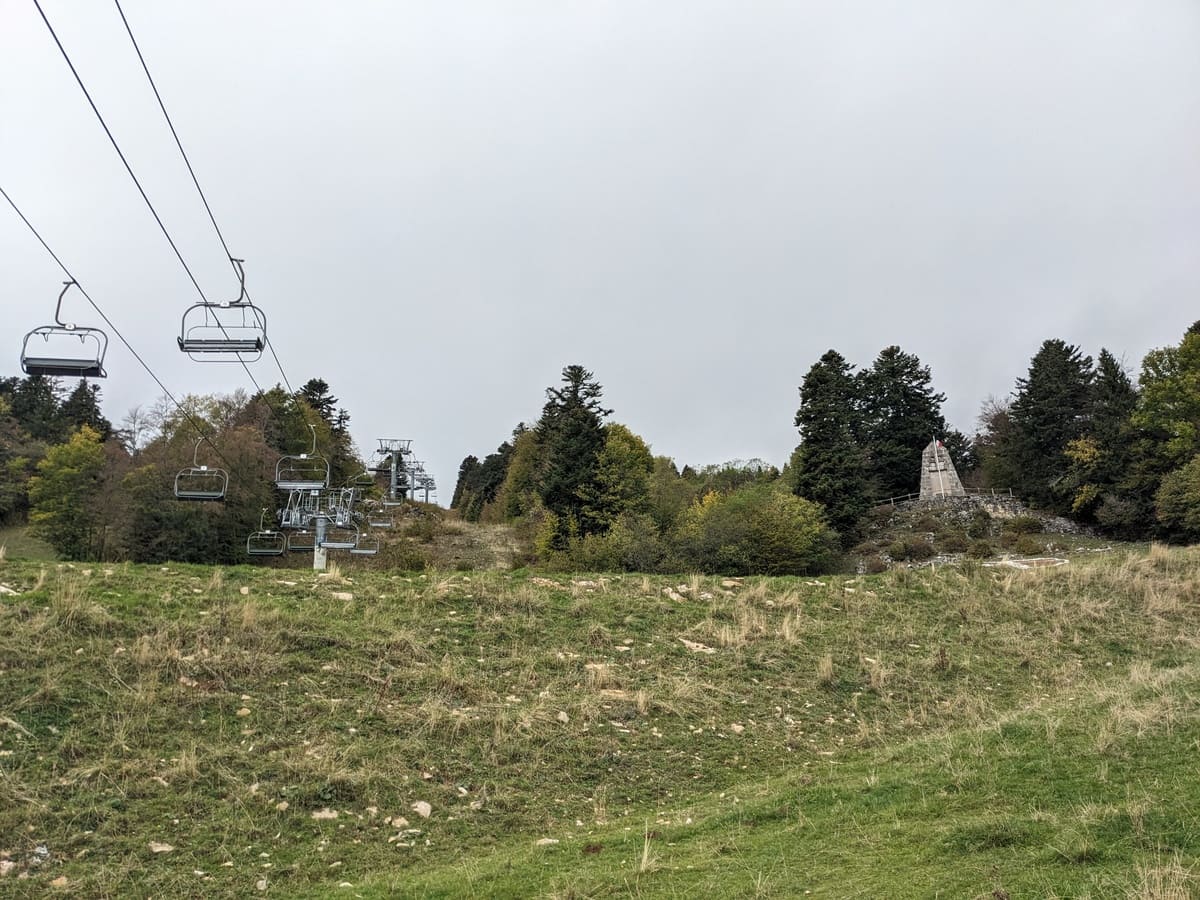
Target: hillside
{"type": "Point", "coordinates": [969, 731]}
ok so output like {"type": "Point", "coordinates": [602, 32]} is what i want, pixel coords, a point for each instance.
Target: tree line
{"type": "Point", "coordinates": [1077, 438]}
{"type": "Point", "coordinates": [95, 491]}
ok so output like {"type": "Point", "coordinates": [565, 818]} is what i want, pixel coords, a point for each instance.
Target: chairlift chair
{"type": "Point", "coordinates": [303, 471]}
{"type": "Point", "coordinates": [301, 542]}
{"type": "Point", "coordinates": [224, 332]}
{"type": "Point", "coordinates": [379, 520]}
{"type": "Point", "coordinates": [67, 349]}
{"type": "Point", "coordinates": [337, 538]}
{"type": "Point", "coordinates": [265, 542]}
{"type": "Point", "coordinates": [366, 546]}
{"type": "Point", "coordinates": [198, 482]}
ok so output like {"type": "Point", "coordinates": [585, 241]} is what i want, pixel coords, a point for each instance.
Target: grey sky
{"type": "Point", "coordinates": [441, 205]}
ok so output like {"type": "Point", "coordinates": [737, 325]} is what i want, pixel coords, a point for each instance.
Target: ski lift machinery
{"type": "Point", "coordinates": [224, 332]}
{"type": "Point", "coordinates": [199, 482]}
{"type": "Point", "coordinates": [265, 542]}
{"type": "Point", "coordinates": [57, 353]}
{"type": "Point", "coordinates": [303, 471]}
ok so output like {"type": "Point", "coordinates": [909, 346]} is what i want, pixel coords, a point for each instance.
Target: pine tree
{"type": "Point", "coordinates": [1051, 409]}
{"type": "Point", "coordinates": [82, 407]}
{"type": "Point", "coordinates": [901, 415]}
{"type": "Point", "coordinates": [571, 436]}
{"type": "Point", "coordinates": [829, 466]}
{"type": "Point", "coordinates": [1099, 458]}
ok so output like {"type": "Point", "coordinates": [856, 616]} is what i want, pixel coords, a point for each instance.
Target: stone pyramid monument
{"type": "Point", "coordinates": [938, 476]}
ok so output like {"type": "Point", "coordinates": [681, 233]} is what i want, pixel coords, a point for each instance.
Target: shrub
{"type": "Point", "coordinates": [981, 549]}
{"type": "Point", "coordinates": [760, 529]}
{"type": "Point", "coordinates": [1030, 545]}
{"type": "Point", "coordinates": [981, 524]}
{"type": "Point", "coordinates": [1023, 525]}
{"type": "Point", "coordinates": [954, 542]}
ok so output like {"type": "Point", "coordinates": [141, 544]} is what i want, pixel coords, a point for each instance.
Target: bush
{"type": "Point", "coordinates": [1023, 525]}
{"type": "Point", "coordinates": [1030, 545]}
{"type": "Point", "coordinates": [981, 549]}
{"type": "Point", "coordinates": [760, 529]}
{"type": "Point", "coordinates": [981, 524]}
{"type": "Point", "coordinates": [954, 542]}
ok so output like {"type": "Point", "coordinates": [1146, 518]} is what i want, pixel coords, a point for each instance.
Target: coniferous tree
{"type": "Point", "coordinates": [829, 467]}
{"type": "Point", "coordinates": [82, 407]}
{"type": "Point", "coordinates": [1050, 410]}
{"type": "Point", "coordinates": [1099, 458]}
{"type": "Point", "coordinates": [901, 415]}
{"type": "Point", "coordinates": [466, 471]}
{"type": "Point", "coordinates": [571, 436]}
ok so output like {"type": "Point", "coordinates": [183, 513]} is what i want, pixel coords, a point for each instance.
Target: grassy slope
{"type": "Point", "coordinates": [900, 735]}
{"type": "Point", "coordinates": [18, 543]}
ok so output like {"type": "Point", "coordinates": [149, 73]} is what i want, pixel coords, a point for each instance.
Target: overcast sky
{"type": "Point", "coordinates": [443, 204]}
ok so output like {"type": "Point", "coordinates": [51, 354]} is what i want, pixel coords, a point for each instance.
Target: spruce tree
{"type": "Point", "coordinates": [829, 466]}
{"type": "Point", "coordinates": [571, 435]}
{"type": "Point", "coordinates": [901, 415]}
{"type": "Point", "coordinates": [1051, 409]}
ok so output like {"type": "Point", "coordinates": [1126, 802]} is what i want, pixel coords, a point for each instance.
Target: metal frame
{"type": "Point", "coordinates": [265, 542]}
{"type": "Point", "coordinates": [73, 366]}
{"type": "Point", "coordinates": [203, 335]}
{"type": "Point", "coordinates": [201, 483]}
{"type": "Point", "coordinates": [303, 471]}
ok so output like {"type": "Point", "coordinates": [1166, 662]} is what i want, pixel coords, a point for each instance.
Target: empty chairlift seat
{"type": "Point", "coordinates": [302, 471]}
{"type": "Point", "coordinates": [64, 348]}
{"type": "Point", "coordinates": [224, 332]}
{"type": "Point", "coordinates": [265, 541]}
{"type": "Point", "coordinates": [201, 483]}
{"type": "Point", "coordinates": [340, 538]}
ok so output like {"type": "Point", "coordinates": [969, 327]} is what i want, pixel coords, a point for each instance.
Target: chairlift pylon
{"type": "Point", "coordinates": [57, 354]}
{"type": "Point", "coordinates": [224, 332]}
{"type": "Point", "coordinates": [303, 471]}
{"type": "Point", "coordinates": [265, 542]}
{"type": "Point", "coordinates": [203, 483]}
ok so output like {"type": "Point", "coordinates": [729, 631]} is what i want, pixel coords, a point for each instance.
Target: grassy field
{"type": "Point", "coordinates": [956, 732]}
{"type": "Point", "coordinates": [17, 543]}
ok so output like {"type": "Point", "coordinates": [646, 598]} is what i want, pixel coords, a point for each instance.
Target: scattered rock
{"type": "Point", "coordinates": [671, 592]}
{"type": "Point", "coordinates": [696, 647]}
{"type": "Point", "coordinates": [730, 583]}
{"type": "Point", "coordinates": [261, 884]}
{"type": "Point", "coordinates": [6, 866]}
{"type": "Point", "coordinates": [282, 806]}
{"type": "Point", "coordinates": [188, 682]}
{"type": "Point", "coordinates": [243, 712]}
{"type": "Point", "coordinates": [5, 589]}
{"type": "Point", "coordinates": [546, 842]}
{"type": "Point", "coordinates": [325, 813]}
{"type": "Point", "coordinates": [157, 847]}
{"type": "Point", "coordinates": [544, 582]}
{"type": "Point", "coordinates": [344, 596]}
{"type": "Point", "coordinates": [736, 728]}
{"type": "Point", "coordinates": [60, 882]}
{"type": "Point", "coordinates": [563, 717]}
{"type": "Point", "coordinates": [422, 809]}
{"type": "Point", "coordinates": [244, 591]}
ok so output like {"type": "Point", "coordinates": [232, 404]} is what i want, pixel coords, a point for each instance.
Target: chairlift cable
{"type": "Point", "coordinates": [137, 183]}
{"type": "Point", "coordinates": [192, 172]}
{"type": "Point", "coordinates": [107, 321]}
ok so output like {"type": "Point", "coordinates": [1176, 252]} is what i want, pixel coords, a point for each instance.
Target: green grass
{"type": "Point", "coordinates": [18, 543]}
{"type": "Point", "coordinates": [975, 732]}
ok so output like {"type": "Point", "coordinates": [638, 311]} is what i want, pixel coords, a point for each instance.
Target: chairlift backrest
{"type": "Point", "coordinates": [224, 332]}
{"type": "Point", "coordinates": [302, 471]}
{"type": "Point", "coordinates": [301, 541]}
{"type": "Point", "coordinates": [64, 348]}
{"type": "Point", "coordinates": [265, 542]}
{"type": "Point", "coordinates": [337, 538]}
{"type": "Point", "coordinates": [202, 483]}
